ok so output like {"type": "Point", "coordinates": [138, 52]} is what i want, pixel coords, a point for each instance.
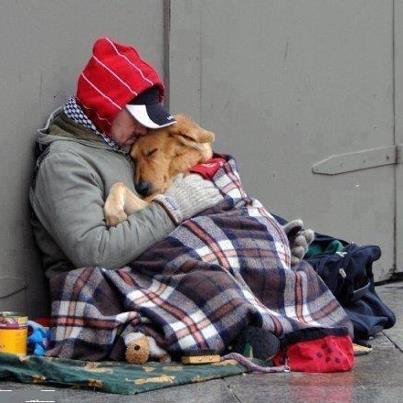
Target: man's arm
{"type": "Point", "coordinates": [68, 201]}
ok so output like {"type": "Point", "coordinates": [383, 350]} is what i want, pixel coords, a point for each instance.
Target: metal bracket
{"type": "Point", "coordinates": [356, 161]}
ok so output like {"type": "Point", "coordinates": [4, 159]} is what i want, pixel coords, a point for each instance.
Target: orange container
{"type": "Point", "coordinates": [13, 333]}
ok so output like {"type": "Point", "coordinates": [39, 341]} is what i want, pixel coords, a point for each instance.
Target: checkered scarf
{"type": "Point", "coordinates": [214, 275]}
{"type": "Point", "coordinates": [74, 111]}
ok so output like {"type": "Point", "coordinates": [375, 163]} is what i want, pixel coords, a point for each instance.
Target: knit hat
{"type": "Point", "coordinates": [114, 76]}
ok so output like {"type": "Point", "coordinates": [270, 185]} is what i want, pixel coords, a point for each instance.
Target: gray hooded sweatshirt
{"type": "Point", "coordinates": [74, 174]}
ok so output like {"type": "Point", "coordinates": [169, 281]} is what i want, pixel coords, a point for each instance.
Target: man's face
{"type": "Point", "coordinates": [125, 129]}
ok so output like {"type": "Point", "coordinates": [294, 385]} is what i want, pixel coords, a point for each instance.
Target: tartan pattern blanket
{"type": "Point", "coordinates": [215, 274]}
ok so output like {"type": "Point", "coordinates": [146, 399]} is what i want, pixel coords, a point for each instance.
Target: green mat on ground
{"type": "Point", "coordinates": [110, 376]}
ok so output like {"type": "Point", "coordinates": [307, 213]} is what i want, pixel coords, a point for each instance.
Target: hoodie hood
{"type": "Point", "coordinates": [60, 128]}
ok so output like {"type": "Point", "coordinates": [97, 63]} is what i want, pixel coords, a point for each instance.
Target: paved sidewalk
{"type": "Point", "coordinates": [377, 377]}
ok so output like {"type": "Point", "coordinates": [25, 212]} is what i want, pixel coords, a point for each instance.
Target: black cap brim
{"type": "Point", "coordinates": [152, 116]}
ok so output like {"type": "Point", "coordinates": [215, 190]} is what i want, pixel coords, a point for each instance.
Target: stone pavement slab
{"type": "Point", "coordinates": [392, 295]}
{"type": "Point", "coordinates": [377, 377]}
{"type": "Point", "coordinates": [207, 392]}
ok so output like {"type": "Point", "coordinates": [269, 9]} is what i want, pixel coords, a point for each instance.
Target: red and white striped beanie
{"type": "Point", "coordinates": [114, 75]}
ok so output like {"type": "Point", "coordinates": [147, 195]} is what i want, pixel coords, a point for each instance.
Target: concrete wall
{"type": "Point", "coordinates": [283, 84]}
{"type": "Point", "coordinates": [398, 14]}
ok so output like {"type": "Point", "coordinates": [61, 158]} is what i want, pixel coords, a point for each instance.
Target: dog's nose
{"type": "Point", "coordinates": [143, 188]}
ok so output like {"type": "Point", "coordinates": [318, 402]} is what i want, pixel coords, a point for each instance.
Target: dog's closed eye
{"type": "Point", "coordinates": [151, 152]}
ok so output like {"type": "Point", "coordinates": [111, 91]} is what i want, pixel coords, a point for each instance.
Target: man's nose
{"type": "Point", "coordinates": [143, 187]}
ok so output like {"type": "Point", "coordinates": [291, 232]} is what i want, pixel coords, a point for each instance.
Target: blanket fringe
{"type": "Point", "coordinates": [253, 367]}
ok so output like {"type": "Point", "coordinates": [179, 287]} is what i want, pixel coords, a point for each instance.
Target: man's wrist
{"type": "Point", "coordinates": [170, 205]}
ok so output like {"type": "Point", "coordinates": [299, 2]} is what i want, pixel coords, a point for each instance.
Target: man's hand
{"type": "Point", "coordinates": [299, 239]}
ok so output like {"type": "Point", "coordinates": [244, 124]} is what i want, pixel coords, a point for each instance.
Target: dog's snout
{"type": "Point", "coordinates": [143, 188]}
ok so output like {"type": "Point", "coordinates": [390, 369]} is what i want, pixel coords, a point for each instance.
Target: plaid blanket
{"type": "Point", "coordinates": [216, 274]}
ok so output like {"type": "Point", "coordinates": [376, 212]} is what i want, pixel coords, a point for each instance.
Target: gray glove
{"type": "Point", "coordinates": [187, 196]}
{"type": "Point", "coordinates": [299, 239]}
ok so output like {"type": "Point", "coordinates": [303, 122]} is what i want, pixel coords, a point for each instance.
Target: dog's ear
{"type": "Point", "coordinates": [187, 130]}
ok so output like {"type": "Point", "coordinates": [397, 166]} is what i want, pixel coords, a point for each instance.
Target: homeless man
{"type": "Point", "coordinates": [83, 152]}
{"type": "Point", "coordinates": [191, 287]}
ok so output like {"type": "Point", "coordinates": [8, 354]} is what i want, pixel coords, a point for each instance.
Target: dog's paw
{"type": "Point", "coordinates": [114, 218]}
{"type": "Point", "coordinates": [114, 211]}
{"type": "Point", "coordinates": [113, 214]}
{"type": "Point", "coordinates": [135, 203]}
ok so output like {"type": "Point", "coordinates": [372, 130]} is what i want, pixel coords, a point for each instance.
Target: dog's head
{"type": "Point", "coordinates": [163, 153]}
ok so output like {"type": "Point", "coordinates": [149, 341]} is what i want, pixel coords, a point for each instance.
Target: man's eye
{"type": "Point", "coordinates": [150, 153]}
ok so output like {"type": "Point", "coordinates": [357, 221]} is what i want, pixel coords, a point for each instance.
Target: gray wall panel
{"type": "Point", "coordinates": [185, 57]}
{"type": "Point", "coordinates": [399, 130]}
{"type": "Point", "coordinates": [44, 45]}
{"type": "Point", "coordinates": [285, 84]}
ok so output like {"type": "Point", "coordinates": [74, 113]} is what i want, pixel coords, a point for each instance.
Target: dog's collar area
{"type": "Point", "coordinates": [209, 168]}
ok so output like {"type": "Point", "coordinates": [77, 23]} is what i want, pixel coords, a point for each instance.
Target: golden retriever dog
{"type": "Point", "coordinates": [159, 157]}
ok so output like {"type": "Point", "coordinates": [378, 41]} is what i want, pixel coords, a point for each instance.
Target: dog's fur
{"type": "Point", "coordinates": [159, 156]}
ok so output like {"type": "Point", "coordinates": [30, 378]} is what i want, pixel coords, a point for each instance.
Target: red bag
{"type": "Point", "coordinates": [328, 354]}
